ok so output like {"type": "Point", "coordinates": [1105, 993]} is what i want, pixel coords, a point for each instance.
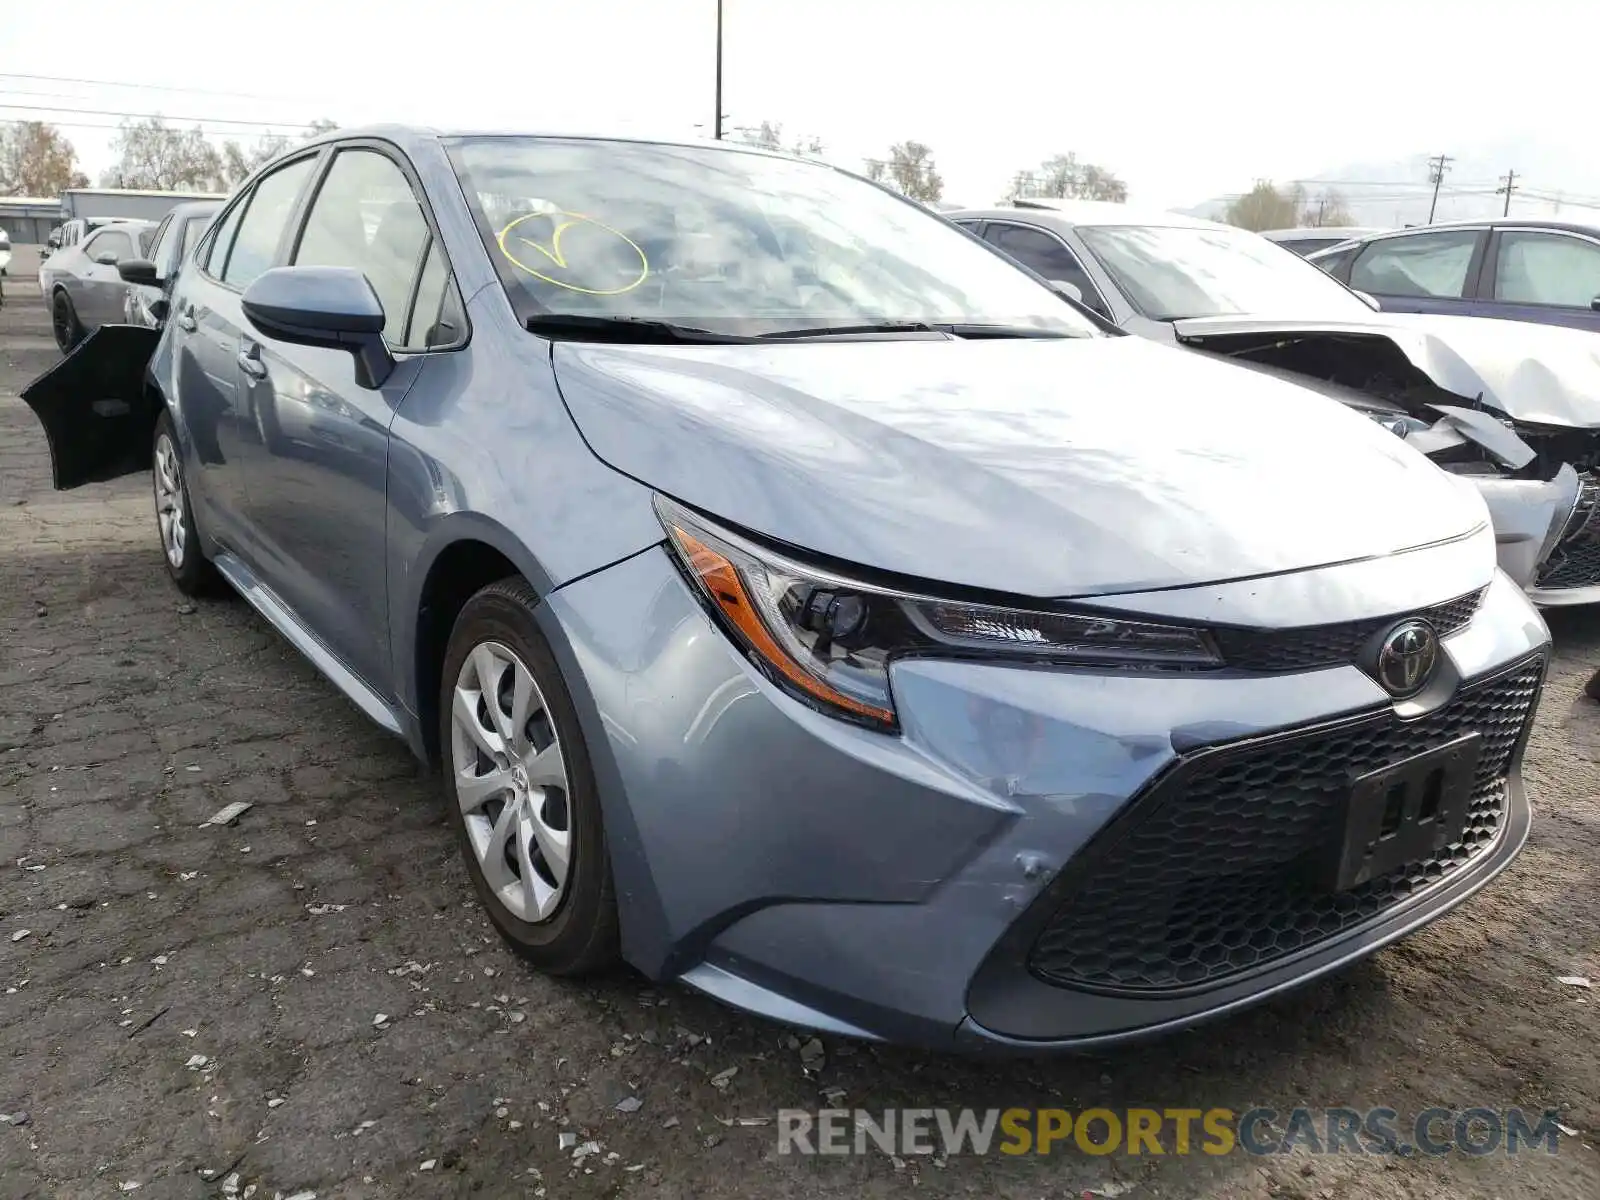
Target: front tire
{"type": "Point", "coordinates": [180, 541]}
{"type": "Point", "coordinates": [520, 787]}
{"type": "Point", "coordinates": [64, 323]}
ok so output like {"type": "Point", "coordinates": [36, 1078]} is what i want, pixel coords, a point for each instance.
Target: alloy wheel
{"type": "Point", "coordinates": [169, 502]}
{"type": "Point", "coordinates": [511, 782]}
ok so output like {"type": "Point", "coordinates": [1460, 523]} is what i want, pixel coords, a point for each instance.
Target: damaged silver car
{"type": "Point", "coordinates": [1513, 407]}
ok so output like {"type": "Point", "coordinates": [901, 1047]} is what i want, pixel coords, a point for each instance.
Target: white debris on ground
{"type": "Point", "coordinates": [1569, 980]}
{"type": "Point", "coordinates": [228, 813]}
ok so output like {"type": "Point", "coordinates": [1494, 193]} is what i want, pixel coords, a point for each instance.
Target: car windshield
{"type": "Point", "coordinates": [1173, 272]}
{"type": "Point", "coordinates": [728, 241]}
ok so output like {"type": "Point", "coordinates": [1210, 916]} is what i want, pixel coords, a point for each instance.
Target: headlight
{"type": "Point", "coordinates": [829, 639]}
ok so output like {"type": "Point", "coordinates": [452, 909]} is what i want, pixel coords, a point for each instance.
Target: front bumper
{"type": "Point", "coordinates": [893, 886]}
{"type": "Point", "coordinates": [1571, 573]}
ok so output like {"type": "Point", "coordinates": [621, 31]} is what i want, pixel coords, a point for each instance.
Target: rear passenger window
{"type": "Point", "coordinates": [366, 216]}
{"type": "Point", "coordinates": [1547, 268]}
{"type": "Point", "coordinates": [1423, 264]}
{"type": "Point", "coordinates": [261, 229]}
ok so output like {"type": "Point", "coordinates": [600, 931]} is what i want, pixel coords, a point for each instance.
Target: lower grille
{"type": "Point", "coordinates": [1330, 645]}
{"type": "Point", "coordinates": [1213, 874]}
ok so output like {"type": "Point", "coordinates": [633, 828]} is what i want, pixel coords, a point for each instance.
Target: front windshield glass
{"type": "Point", "coordinates": [1172, 272]}
{"type": "Point", "coordinates": [730, 241]}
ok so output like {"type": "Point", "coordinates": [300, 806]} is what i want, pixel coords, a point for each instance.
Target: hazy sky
{"type": "Point", "coordinates": [1185, 99]}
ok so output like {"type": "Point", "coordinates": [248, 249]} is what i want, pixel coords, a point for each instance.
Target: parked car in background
{"type": "Point", "coordinates": [170, 246]}
{"type": "Point", "coordinates": [1448, 386]}
{"type": "Point", "coordinates": [5, 252]}
{"type": "Point", "coordinates": [1312, 238]}
{"type": "Point", "coordinates": [70, 233]}
{"type": "Point", "coordinates": [81, 284]}
{"type": "Point", "coordinates": [1547, 272]}
{"type": "Point", "coordinates": [868, 639]}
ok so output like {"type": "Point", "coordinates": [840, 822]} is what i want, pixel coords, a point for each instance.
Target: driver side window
{"type": "Point", "coordinates": [1047, 256]}
{"type": "Point", "coordinates": [109, 241]}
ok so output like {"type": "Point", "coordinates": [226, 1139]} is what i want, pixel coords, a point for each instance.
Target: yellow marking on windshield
{"type": "Point", "coordinates": [557, 257]}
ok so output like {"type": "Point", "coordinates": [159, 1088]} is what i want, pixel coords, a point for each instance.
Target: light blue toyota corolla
{"type": "Point", "coordinates": [804, 603]}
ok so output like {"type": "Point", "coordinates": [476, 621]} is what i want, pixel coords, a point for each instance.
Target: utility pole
{"type": "Point", "coordinates": [1437, 166]}
{"type": "Point", "coordinates": [1508, 184]}
{"type": "Point", "coordinates": [717, 127]}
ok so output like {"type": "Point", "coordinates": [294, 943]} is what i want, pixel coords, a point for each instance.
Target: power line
{"type": "Point", "coordinates": [147, 87]}
{"type": "Point", "coordinates": [112, 112]}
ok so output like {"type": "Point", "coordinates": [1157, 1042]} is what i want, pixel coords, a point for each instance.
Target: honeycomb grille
{"type": "Point", "coordinates": [1216, 874]}
{"type": "Point", "coordinates": [1330, 645]}
{"type": "Point", "coordinates": [1576, 562]}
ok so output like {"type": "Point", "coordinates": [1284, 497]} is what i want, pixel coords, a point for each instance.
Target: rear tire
{"type": "Point", "coordinates": [64, 323]}
{"type": "Point", "coordinates": [520, 788]}
{"type": "Point", "coordinates": [187, 567]}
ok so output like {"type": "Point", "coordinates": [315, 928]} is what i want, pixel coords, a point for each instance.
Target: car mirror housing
{"type": "Point", "coordinates": [1070, 290]}
{"type": "Point", "coordinates": [138, 270]}
{"type": "Point", "coordinates": [333, 307]}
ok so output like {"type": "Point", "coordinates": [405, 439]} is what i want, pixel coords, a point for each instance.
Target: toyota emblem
{"type": "Point", "coordinates": [1406, 658]}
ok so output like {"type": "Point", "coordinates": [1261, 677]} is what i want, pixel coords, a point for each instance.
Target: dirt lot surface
{"type": "Point", "coordinates": [196, 1010]}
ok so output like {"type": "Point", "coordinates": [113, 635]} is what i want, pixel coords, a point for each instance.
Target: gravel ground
{"type": "Point", "coordinates": [192, 1004]}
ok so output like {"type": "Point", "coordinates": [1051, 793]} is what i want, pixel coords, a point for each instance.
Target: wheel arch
{"type": "Point", "coordinates": [464, 554]}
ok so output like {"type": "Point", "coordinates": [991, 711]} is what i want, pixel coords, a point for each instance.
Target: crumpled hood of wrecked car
{"type": "Point", "coordinates": [1542, 374]}
{"type": "Point", "coordinates": [1036, 467]}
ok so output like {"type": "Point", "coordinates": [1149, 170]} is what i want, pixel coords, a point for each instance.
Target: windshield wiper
{"type": "Point", "coordinates": [622, 329]}
{"type": "Point", "coordinates": [826, 331]}
{"type": "Point", "coordinates": [969, 330]}
{"type": "Point", "coordinates": [958, 329]}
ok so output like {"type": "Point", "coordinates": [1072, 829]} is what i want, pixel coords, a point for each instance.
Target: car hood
{"type": "Point", "coordinates": [1542, 374]}
{"type": "Point", "coordinates": [1046, 468]}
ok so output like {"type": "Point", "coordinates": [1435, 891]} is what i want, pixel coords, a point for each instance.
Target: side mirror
{"type": "Point", "coordinates": [332, 307]}
{"type": "Point", "coordinates": [106, 258]}
{"type": "Point", "coordinates": [1070, 290]}
{"type": "Point", "coordinates": [1370, 301]}
{"type": "Point", "coordinates": [138, 270]}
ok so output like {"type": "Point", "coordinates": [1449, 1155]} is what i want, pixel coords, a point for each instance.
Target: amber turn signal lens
{"type": "Point", "coordinates": [722, 583]}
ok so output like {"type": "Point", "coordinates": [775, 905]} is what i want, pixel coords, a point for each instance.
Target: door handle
{"type": "Point", "coordinates": [250, 362]}
{"type": "Point", "coordinates": [186, 321]}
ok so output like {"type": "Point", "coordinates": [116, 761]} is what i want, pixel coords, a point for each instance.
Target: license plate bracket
{"type": "Point", "coordinates": [1405, 812]}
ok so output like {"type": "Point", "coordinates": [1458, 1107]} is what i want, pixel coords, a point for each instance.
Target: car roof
{"type": "Point", "coordinates": [411, 136]}
{"type": "Point", "coordinates": [1087, 213]}
{"type": "Point", "coordinates": [1590, 228]}
{"type": "Point", "coordinates": [1342, 232]}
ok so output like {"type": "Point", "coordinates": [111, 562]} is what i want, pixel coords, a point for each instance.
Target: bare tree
{"type": "Point", "coordinates": [909, 170]}
{"type": "Point", "coordinates": [1267, 206]}
{"type": "Point", "coordinates": [769, 136]}
{"type": "Point", "coordinates": [1063, 176]}
{"type": "Point", "coordinates": [320, 126]}
{"type": "Point", "coordinates": [237, 163]}
{"type": "Point", "coordinates": [154, 156]}
{"type": "Point", "coordinates": [36, 160]}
